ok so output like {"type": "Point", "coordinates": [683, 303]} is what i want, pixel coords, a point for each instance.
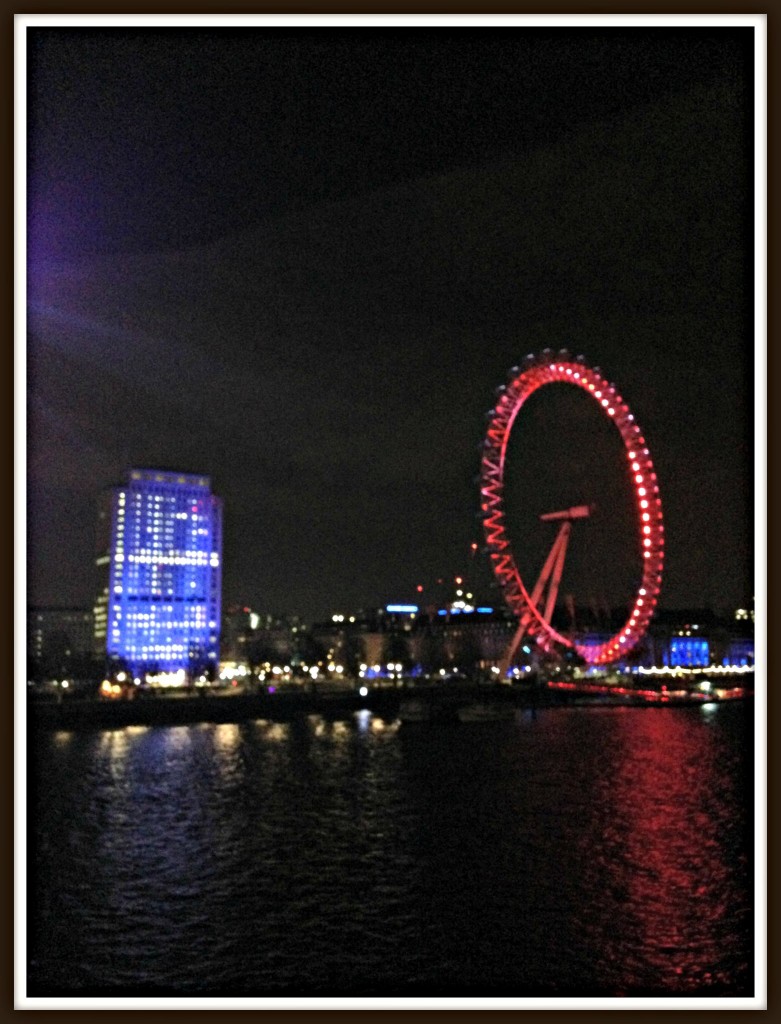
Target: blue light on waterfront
{"type": "Point", "coordinates": [687, 651]}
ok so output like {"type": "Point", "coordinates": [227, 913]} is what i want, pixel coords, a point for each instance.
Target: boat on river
{"type": "Point", "coordinates": [485, 713]}
{"type": "Point", "coordinates": [414, 711]}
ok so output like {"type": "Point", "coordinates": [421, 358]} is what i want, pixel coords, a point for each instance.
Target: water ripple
{"type": "Point", "coordinates": [582, 852]}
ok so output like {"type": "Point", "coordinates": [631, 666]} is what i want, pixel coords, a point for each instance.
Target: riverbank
{"type": "Point", "coordinates": [165, 709]}
{"type": "Point", "coordinates": [183, 710]}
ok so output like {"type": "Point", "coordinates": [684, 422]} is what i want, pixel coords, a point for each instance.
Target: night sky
{"type": "Point", "coordinates": [302, 260]}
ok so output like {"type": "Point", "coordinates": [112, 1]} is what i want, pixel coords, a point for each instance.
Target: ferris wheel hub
{"type": "Point", "coordinates": [576, 512]}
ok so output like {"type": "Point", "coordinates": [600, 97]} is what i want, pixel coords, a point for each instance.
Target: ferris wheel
{"type": "Point", "coordinates": [536, 372]}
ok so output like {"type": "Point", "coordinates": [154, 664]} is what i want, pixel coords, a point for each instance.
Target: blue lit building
{"type": "Point", "coordinates": [686, 652]}
{"type": "Point", "coordinates": [160, 557]}
{"type": "Point", "coordinates": [739, 652]}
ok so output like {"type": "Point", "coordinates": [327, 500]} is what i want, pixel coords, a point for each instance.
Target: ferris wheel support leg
{"type": "Point", "coordinates": [550, 562]}
{"type": "Point", "coordinates": [554, 564]}
{"type": "Point", "coordinates": [553, 591]}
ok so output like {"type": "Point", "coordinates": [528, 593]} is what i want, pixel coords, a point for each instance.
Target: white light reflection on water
{"type": "Point", "coordinates": [363, 719]}
{"type": "Point", "coordinates": [177, 738]}
{"type": "Point", "coordinates": [275, 731]}
{"type": "Point", "coordinates": [112, 740]}
{"type": "Point", "coordinates": [379, 725]}
{"type": "Point", "coordinates": [113, 746]}
{"type": "Point", "coordinates": [227, 738]}
{"type": "Point", "coordinates": [324, 727]}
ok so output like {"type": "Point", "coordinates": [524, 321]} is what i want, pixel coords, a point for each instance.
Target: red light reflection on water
{"type": "Point", "coordinates": [671, 858]}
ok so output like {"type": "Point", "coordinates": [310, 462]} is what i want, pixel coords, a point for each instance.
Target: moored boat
{"type": "Point", "coordinates": [414, 711]}
{"type": "Point", "coordinates": [485, 713]}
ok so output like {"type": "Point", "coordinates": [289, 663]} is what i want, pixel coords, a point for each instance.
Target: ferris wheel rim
{"type": "Point", "coordinates": [539, 371]}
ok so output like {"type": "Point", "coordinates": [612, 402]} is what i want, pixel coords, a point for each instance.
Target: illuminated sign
{"type": "Point", "coordinates": [403, 608]}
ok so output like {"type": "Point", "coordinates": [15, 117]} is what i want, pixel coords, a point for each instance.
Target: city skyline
{"type": "Point", "coordinates": [306, 278]}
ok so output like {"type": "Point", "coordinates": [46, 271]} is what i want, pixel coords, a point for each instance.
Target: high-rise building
{"type": "Point", "coordinates": [160, 560]}
{"type": "Point", "coordinates": [59, 641]}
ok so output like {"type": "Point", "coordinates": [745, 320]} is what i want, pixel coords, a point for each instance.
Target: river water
{"type": "Point", "coordinates": [571, 852]}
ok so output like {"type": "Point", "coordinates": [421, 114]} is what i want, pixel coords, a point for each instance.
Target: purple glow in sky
{"type": "Point", "coordinates": [301, 261]}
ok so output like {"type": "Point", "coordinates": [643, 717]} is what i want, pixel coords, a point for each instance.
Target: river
{"type": "Point", "coordinates": [571, 852]}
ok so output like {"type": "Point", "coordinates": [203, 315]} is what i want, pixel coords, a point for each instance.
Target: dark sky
{"type": "Point", "coordinates": [302, 261]}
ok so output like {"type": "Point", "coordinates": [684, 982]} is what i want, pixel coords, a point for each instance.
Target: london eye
{"type": "Point", "coordinates": [536, 372]}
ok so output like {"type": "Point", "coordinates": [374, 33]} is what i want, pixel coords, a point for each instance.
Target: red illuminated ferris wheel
{"type": "Point", "coordinates": [536, 372]}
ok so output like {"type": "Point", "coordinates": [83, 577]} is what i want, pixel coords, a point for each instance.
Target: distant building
{"type": "Point", "coordinates": [59, 640]}
{"type": "Point", "coordinates": [739, 651]}
{"type": "Point", "coordinates": [238, 629]}
{"type": "Point", "coordinates": [420, 639]}
{"type": "Point", "coordinates": [465, 637]}
{"type": "Point", "coordinates": [698, 637]}
{"type": "Point", "coordinates": [253, 638]}
{"type": "Point", "coordinates": [160, 563]}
